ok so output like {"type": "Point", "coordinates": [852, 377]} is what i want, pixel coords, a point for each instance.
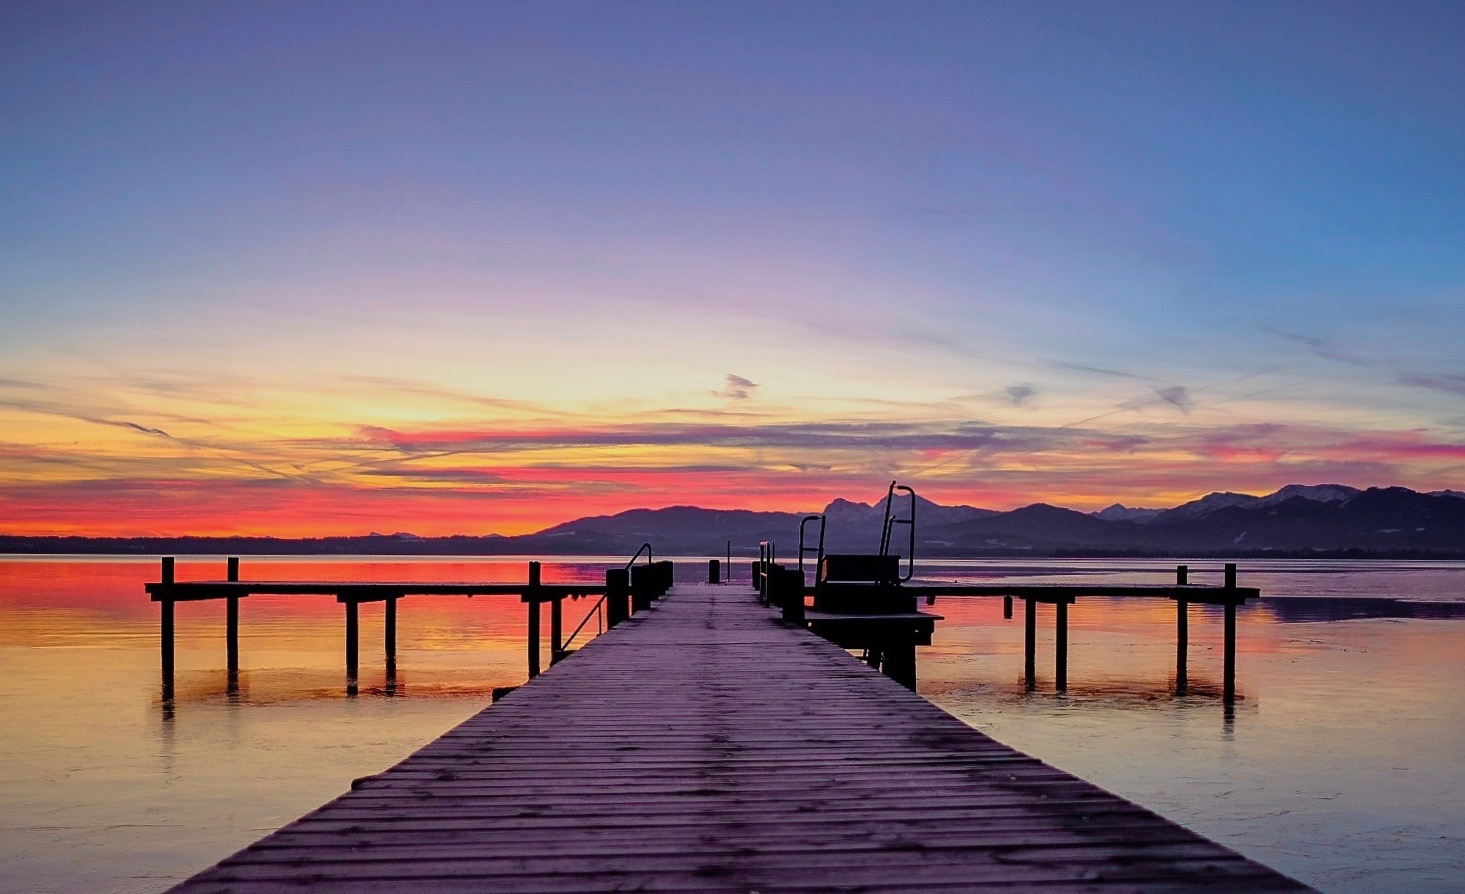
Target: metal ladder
{"type": "Point", "coordinates": [818, 550]}
{"type": "Point", "coordinates": [909, 520]}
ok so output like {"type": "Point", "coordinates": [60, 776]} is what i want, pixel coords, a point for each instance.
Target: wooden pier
{"type": "Point", "coordinates": [706, 745]}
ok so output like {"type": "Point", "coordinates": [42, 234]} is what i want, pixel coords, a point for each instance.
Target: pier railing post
{"type": "Point", "coordinates": [714, 571]}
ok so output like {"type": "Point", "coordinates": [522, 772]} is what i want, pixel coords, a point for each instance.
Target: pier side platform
{"type": "Point", "coordinates": [702, 745]}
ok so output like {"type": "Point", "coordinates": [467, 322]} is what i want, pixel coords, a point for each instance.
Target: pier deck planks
{"type": "Point", "coordinates": [703, 746]}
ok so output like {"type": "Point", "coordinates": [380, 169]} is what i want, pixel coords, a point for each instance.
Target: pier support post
{"type": "Point", "coordinates": [899, 663]}
{"type": "Point", "coordinates": [617, 592]}
{"type": "Point", "coordinates": [165, 630]}
{"type": "Point", "coordinates": [1029, 645]}
{"type": "Point", "coordinates": [390, 633]}
{"type": "Point", "coordinates": [556, 630]}
{"type": "Point", "coordinates": [533, 635]}
{"type": "Point", "coordinates": [1182, 633]}
{"type": "Point", "coordinates": [1007, 607]}
{"type": "Point", "coordinates": [1061, 646]}
{"type": "Point", "coordinates": [232, 625]}
{"type": "Point", "coordinates": [353, 641]}
{"type": "Point", "coordinates": [714, 571]}
{"type": "Point", "coordinates": [1228, 661]}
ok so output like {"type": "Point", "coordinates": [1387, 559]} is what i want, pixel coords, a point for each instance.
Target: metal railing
{"type": "Point", "coordinates": [597, 610]}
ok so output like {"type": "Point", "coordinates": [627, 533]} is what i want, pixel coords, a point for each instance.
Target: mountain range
{"type": "Point", "coordinates": [1325, 519]}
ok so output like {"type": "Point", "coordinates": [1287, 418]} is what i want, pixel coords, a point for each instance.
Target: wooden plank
{"type": "Point", "coordinates": [702, 745]}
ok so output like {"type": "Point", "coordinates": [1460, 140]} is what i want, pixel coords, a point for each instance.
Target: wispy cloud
{"type": "Point", "coordinates": [1446, 383]}
{"type": "Point", "coordinates": [1018, 395]}
{"type": "Point", "coordinates": [737, 388]}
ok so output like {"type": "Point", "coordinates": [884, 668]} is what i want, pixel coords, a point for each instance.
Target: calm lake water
{"type": "Point", "coordinates": [1341, 764]}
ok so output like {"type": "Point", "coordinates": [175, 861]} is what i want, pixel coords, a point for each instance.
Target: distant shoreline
{"type": "Point", "coordinates": [475, 547]}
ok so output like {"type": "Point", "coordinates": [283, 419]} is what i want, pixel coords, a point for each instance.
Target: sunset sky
{"type": "Point", "coordinates": [331, 268]}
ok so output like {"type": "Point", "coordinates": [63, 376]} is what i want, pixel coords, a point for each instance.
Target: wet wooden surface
{"type": "Point", "coordinates": [703, 746]}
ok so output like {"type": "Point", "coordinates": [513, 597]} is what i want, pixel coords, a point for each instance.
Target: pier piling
{"type": "Point", "coordinates": [532, 597]}
{"type": "Point", "coordinates": [1061, 646]}
{"type": "Point", "coordinates": [1228, 661]}
{"type": "Point", "coordinates": [1182, 632]}
{"type": "Point", "coordinates": [390, 632]}
{"type": "Point", "coordinates": [1030, 645]}
{"type": "Point", "coordinates": [353, 639]}
{"type": "Point", "coordinates": [231, 634]}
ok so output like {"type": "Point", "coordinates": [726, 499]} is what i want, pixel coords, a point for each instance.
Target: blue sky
{"type": "Point", "coordinates": [269, 230]}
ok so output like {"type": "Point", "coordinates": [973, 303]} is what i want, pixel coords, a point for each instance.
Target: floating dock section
{"type": "Point", "coordinates": [704, 745]}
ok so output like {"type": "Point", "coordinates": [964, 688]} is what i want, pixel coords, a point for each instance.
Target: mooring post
{"type": "Point", "coordinates": [533, 637]}
{"type": "Point", "coordinates": [791, 595]}
{"type": "Point", "coordinates": [390, 633]}
{"type": "Point", "coordinates": [1029, 646]}
{"type": "Point", "coordinates": [232, 623]}
{"type": "Point", "coordinates": [1061, 637]}
{"type": "Point", "coordinates": [353, 640]}
{"type": "Point", "coordinates": [617, 594]}
{"type": "Point", "coordinates": [642, 586]}
{"type": "Point", "coordinates": [1007, 607]}
{"type": "Point", "coordinates": [899, 662]}
{"type": "Point", "coordinates": [714, 571]}
{"type": "Point", "coordinates": [1228, 662]}
{"type": "Point", "coordinates": [1182, 631]}
{"type": "Point", "coordinates": [556, 629]}
{"type": "Point", "coordinates": [166, 629]}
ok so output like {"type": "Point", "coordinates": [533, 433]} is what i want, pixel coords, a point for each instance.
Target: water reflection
{"type": "Point", "coordinates": [1339, 765]}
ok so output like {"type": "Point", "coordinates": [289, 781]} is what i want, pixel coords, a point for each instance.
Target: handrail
{"type": "Point", "coordinates": [646, 548]}
{"type": "Point", "coordinates": [891, 522]}
{"type": "Point", "coordinates": [596, 608]}
{"type": "Point", "coordinates": [767, 555]}
{"type": "Point", "coordinates": [818, 550]}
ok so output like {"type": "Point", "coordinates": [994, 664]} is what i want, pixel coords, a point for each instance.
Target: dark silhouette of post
{"type": "Point", "coordinates": [791, 595]}
{"type": "Point", "coordinates": [714, 571]}
{"type": "Point", "coordinates": [617, 595]}
{"type": "Point", "coordinates": [390, 633]}
{"type": "Point", "coordinates": [898, 662]}
{"type": "Point", "coordinates": [232, 624]}
{"type": "Point", "coordinates": [353, 640]}
{"type": "Point", "coordinates": [1182, 632]}
{"type": "Point", "coordinates": [1029, 645]}
{"type": "Point", "coordinates": [1007, 607]}
{"type": "Point", "coordinates": [1228, 662]}
{"type": "Point", "coordinates": [533, 636]}
{"type": "Point", "coordinates": [1061, 645]}
{"type": "Point", "coordinates": [556, 629]}
{"type": "Point", "coordinates": [165, 630]}
{"type": "Point", "coordinates": [642, 587]}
